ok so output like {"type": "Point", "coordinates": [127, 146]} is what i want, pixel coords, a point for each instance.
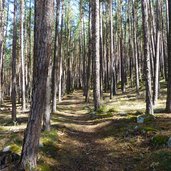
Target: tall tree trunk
{"type": "Point", "coordinates": [156, 75]}
{"type": "Point", "coordinates": [14, 57]}
{"type": "Point", "coordinates": [95, 52]}
{"type": "Point", "coordinates": [55, 60]}
{"type": "Point", "coordinates": [135, 49]}
{"type": "Point", "coordinates": [60, 55]}
{"type": "Point", "coordinates": [22, 55]}
{"type": "Point", "coordinates": [149, 102]}
{"type": "Point", "coordinates": [2, 25]}
{"type": "Point", "coordinates": [42, 53]}
{"type": "Point", "coordinates": [168, 103]}
{"type": "Point", "coordinates": [89, 56]}
{"type": "Point", "coordinates": [30, 63]}
{"type": "Point", "coordinates": [111, 51]}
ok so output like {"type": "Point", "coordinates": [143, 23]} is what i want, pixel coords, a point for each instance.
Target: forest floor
{"type": "Point", "coordinates": [109, 140]}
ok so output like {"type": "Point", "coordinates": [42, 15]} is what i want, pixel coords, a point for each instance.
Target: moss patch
{"type": "Point", "coordinates": [148, 129]}
{"type": "Point", "coordinates": [101, 110]}
{"type": "Point", "coordinates": [159, 140]}
{"type": "Point", "coordinates": [44, 168]}
{"type": "Point", "coordinates": [15, 149]}
{"type": "Point", "coordinates": [49, 141]}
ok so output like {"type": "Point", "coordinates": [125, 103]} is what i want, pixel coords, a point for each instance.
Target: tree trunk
{"type": "Point", "coordinates": [22, 55]}
{"type": "Point", "coordinates": [149, 102]}
{"type": "Point", "coordinates": [42, 53]}
{"type": "Point", "coordinates": [135, 49]}
{"type": "Point", "coordinates": [156, 75]}
{"type": "Point", "coordinates": [55, 60]}
{"type": "Point", "coordinates": [14, 57]}
{"type": "Point", "coordinates": [168, 103]}
{"type": "Point", "coordinates": [47, 112]}
{"type": "Point", "coordinates": [111, 51]}
{"type": "Point", "coordinates": [96, 52]}
{"type": "Point", "coordinates": [60, 55]}
{"type": "Point", "coordinates": [2, 25]}
{"type": "Point", "coordinates": [89, 56]}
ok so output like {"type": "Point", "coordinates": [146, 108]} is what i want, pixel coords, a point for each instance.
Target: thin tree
{"type": "Point", "coordinates": [60, 55]}
{"type": "Point", "coordinates": [22, 54]}
{"type": "Point", "coordinates": [149, 101]}
{"type": "Point", "coordinates": [55, 60]}
{"type": "Point", "coordinates": [168, 103]}
{"type": "Point", "coordinates": [111, 51]}
{"type": "Point", "coordinates": [14, 57]}
{"type": "Point", "coordinates": [2, 25]}
{"type": "Point", "coordinates": [135, 49]}
{"type": "Point", "coordinates": [96, 52]}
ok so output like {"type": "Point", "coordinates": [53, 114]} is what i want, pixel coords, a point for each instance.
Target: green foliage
{"type": "Point", "coordinates": [49, 137]}
{"type": "Point", "coordinates": [44, 168]}
{"type": "Point", "coordinates": [15, 149]}
{"type": "Point", "coordinates": [132, 118]}
{"type": "Point", "coordinates": [138, 113]}
{"type": "Point", "coordinates": [49, 140]}
{"type": "Point", "coordinates": [148, 118]}
{"type": "Point", "coordinates": [159, 140]}
{"type": "Point", "coordinates": [148, 129]}
{"type": "Point", "coordinates": [105, 115]}
{"type": "Point", "coordinates": [101, 110]}
{"type": "Point", "coordinates": [113, 110]}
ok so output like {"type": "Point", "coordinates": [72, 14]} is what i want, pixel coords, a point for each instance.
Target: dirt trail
{"type": "Point", "coordinates": [85, 144]}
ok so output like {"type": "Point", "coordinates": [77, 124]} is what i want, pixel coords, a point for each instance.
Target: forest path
{"type": "Point", "coordinates": [79, 150]}
{"type": "Point", "coordinates": [87, 143]}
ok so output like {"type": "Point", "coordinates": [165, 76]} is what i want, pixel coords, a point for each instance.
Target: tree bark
{"type": "Point", "coordinates": [60, 56]}
{"type": "Point", "coordinates": [22, 55]}
{"type": "Point", "coordinates": [2, 25]}
{"type": "Point", "coordinates": [55, 60]}
{"type": "Point", "coordinates": [168, 103]}
{"type": "Point", "coordinates": [149, 102]}
{"type": "Point", "coordinates": [42, 53]}
{"type": "Point", "coordinates": [47, 112]}
{"type": "Point", "coordinates": [111, 51]}
{"type": "Point", "coordinates": [14, 57]}
{"type": "Point", "coordinates": [95, 52]}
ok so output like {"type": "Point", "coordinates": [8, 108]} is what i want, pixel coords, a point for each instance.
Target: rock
{"type": "Point", "coordinates": [13, 148]}
{"type": "Point", "coordinates": [93, 113]}
{"type": "Point", "coordinates": [140, 119]}
{"type": "Point", "coordinates": [41, 145]}
{"type": "Point", "coordinates": [169, 143]}
{"type": "Point", "coordinates": [7, 149]}
{"type": "Point", "coordinates": [136, 128]}
{"type": "Point", "coordinates": [122, 113]}
{"type": "Point", "coordinates": [145, 118]}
